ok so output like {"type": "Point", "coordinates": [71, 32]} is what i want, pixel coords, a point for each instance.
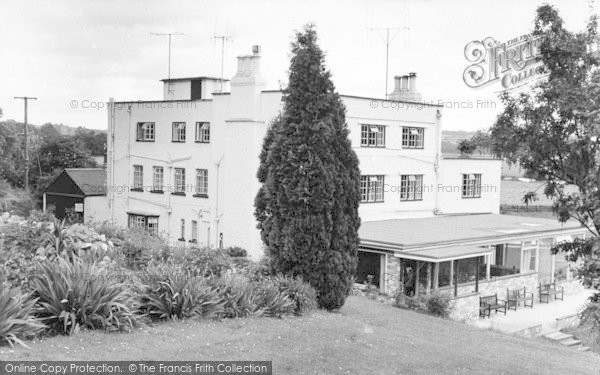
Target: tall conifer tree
{"type": "Point", "coordinates": [307, 206]}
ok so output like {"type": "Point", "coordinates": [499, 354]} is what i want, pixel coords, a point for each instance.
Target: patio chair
{"type": "Point", "coordinates": [489, 303]}
{"type": "Point", "coordinates": [551, 290]}
{"type": "Point", "coordinates": [516, 296]}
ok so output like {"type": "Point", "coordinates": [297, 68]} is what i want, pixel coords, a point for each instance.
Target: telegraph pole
{"type": "Point", "coordinates": [223, 38]}
{"type": "Point", "coordinates": [387, 40]}
{"type": "Point", "coordinates": [25, 101]}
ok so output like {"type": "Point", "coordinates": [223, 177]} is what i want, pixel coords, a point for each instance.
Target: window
{"type": "Point", "coordinates": [371, 188]}
{"type": "Point", "coordinates": [445, 270]}
{"type": "Point", "coordinates": [411, 187]}
{"type": "Point", "coordinates": [194, 231]}
{"type": "Point", "coordinates": [179, 132]}
{"type": "Point", "coordinates": [179, 181]}
{"type": "Point", "coordinates": [412, 137]}
{"type": "Point", "coordinates": [138, 178]}
{"type": "Point", "coordinates": [471, 185]}
{"type": "Point", "coordinates": [203, 132]}
{"type": "Point", "coordinates": [147, 223]}
{"type": "Point", "coordinates": [201, 182]}
{"type": "Point", "coordinates": [145, 132]}
{"type": "Point", "coordinates": [157, 179]}
{"type": "Point", "coordinates": [182, 226]}
{"type": "Point", "coordinates": [372, 135]}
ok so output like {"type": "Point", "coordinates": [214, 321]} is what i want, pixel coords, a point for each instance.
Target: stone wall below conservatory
{"type": "Point", "coordinates": [392, 274]}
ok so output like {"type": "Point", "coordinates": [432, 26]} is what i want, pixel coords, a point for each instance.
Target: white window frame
{"type": "Point", "coordinates": [411, 187]}
{"type": "Point", "coordinates": [179, 180]}
{"type": "Point", "coordinates": [202, 182]}
{"type": "Point", "coordinates": [372, 135]}
{"type": "Point", "coordinates": [145, 132]}
{"type": "Point", "coordinates": [178, 132]}
{"type": "Point", "coordinates": [471, 185]}
{"type": "Point", "coordinates": [371, 188]}
{"type": "Point", "coordinates": [413, 137]}
{"type": "Point", "coordinates": [158, 178]}
{"type": "Point", "coordinates": [203, 132]}
{"type": "Point", "coordinates": [138, 177]}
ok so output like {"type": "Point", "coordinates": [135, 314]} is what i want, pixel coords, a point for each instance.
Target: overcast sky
{"type": "Point", "coordinates": [65, 51]}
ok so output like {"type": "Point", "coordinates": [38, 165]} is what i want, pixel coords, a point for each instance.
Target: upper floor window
{"type": "Point", "coordinates": [157, 179]}
{"type": "Point", "coordinates": [179, 132]}
{"type": "Point", "coordinates": [411, 187]}
{"type": "Point", "coordinates": [371, 188]}
{"type": "Point", "coordinates": [412, 137]}
{"type": "Point", "coordinates": [372, 135]}
{"type": "Point", "coordinates": [180, 180]}
{"type": "Point", "coordinates": [471, 185]}
{"type": "Point", "coordinates": [138, 178]}
{"type": "Point", "coordinates": [202, 182]}
{"type": "Point", "coordinates": [203, 132]}
{"type": "Point", "coordinates": [145, 132]}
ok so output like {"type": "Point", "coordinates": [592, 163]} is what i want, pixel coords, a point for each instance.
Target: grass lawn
{"type": "Point", "coordinates": [365, 337]}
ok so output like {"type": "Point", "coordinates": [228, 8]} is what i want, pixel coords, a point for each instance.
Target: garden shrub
{"type": "Point", "coordinates": [435, 303]}
{"type": "Point", "coordinates": [301, 293]}
{"type": "Point", "coordinates": [17, 320]}
{"type": "Point", "coordinates": [240, 295]}
{"type": "Point", "coordinates": [74, 294]}
{"type": "Point", "coordinates": [590, 315]}
{"type": "Point", "coordinates": [439, 304]}
{"type": "Point", "coordinates": [274, 302]}
{"type": "Point", "coordinates": [169, 293]}
{"type": "Point", "coordinates": [207, 262]}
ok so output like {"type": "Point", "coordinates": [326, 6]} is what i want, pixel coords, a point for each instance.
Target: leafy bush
{"type": "Point", "coordinates": [206, 262]}
{"type": "Point", "coordinates": [74, 295]}
{"type": "Point", "coordinates": [14, 200]}
{"type": "Point", "coordinates": [16, 265]}
{"type": "Point", "coordinates": [590, 315]}
{"type": "Point", "coordinates": [302, 294]}
{"type": "Point", "coordinates": [236, 252]}
{"type": "Point", "coordinates": [16, 316]}
{"type": "Point", "coordinates": [274, 302]}
{"type": "Point", "coordinates": [435, 303]}
{"type": "Point", "coordinates": [439, 304]}
{"type": "Point", "coordinates": [240, 295]}
{"type": "Point", "coordinates": [172, 294]}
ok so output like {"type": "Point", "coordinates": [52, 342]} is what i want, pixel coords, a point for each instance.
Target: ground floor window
{"type": "Point", "coordinates": [369, 264]}
{"type": "Point", "coordinates": [445, 273]}
{"type": "Point", "coordinates": [148, 223]}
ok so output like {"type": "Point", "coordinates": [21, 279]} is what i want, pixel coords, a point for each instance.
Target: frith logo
{"type": "Point", "coordinates": [513, 64]}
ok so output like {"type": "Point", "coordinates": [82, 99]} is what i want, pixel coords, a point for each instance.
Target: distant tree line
{"type": "Point", "coordinates": [49, 153]}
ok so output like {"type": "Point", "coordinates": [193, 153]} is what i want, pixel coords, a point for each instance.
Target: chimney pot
{"type": "Point", "coordinates": [256, 49]}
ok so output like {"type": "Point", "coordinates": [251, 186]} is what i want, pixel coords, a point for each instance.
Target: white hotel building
{"type": "Point", "coordinates": [185, 167]}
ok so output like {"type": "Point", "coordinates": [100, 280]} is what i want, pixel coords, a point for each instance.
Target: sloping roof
{"type": "Point", "coordinates": [90, 181]}
{"type": "Point", "coordinates": [457, 230]}
{"type": "Point", "coordinates": [442, 254]}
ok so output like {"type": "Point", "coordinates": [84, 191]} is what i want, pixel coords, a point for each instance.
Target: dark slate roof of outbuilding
{"type": "Point", "coordinates": [88, 182]}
